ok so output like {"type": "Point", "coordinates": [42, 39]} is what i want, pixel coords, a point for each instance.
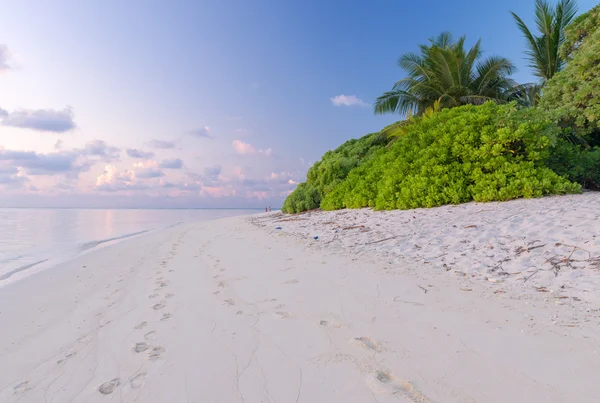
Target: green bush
{"type": "Point", "coordinates": [482, 153]}
{"type": "Point", "coordinates": [577, 163]}
{"type": "Point", "coordinates": [325, 174]}
{"type": "Point", "coordinates": [305, 197]}
{"type": "Point", "coordinates": [573, 94]}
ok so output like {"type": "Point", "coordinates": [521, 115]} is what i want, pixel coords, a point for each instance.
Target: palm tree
{"type": "Point", "coordinates": [444, 71]}
{"type": "Point", "coordinates": [526, 95]}
{"type": "Point", "coordinates": [543, 51]}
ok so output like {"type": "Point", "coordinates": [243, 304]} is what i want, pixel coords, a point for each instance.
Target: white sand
{"type": "Point", "coordinates": [230, 312]}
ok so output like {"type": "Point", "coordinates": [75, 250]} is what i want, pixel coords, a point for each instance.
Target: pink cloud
{"type": "Point", "coordinates": [245, 149]}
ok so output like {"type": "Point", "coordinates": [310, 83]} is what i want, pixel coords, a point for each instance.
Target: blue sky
{"type": "Point", "coordinates": [239, 91]}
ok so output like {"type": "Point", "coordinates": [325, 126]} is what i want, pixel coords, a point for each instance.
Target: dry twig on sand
{"type": "Point", "coordinates": [522, 249]}
{"type": "Point", "coordinates": [381, 240]}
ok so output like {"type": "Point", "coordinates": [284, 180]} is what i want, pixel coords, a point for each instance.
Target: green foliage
{"type": "Point", "coordinates": [325, 174]}
{"type": "Point", "coordinates": [445, 71]}
{"type": "Point", "coordinates": [482, 153]}
{"type": "Point", "coordinates": [305, 197]}
{"type": "Point", "coordinates": [577, 163]}
{"type": "Point", "coordinates": [573, 95]}
{"type": "Point", "coordinates": [543, 50]}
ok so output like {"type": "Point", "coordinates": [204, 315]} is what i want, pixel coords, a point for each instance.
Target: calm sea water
{"type": "Point", "coordinates": [34, 239]}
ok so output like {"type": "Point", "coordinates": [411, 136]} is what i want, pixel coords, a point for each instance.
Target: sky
{"type": "Point", "coordinates": [208, 103]}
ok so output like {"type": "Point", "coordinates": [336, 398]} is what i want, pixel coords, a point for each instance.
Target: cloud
{"type": "Point", "coordinates": [244, 149]}
{"type": "Point", "coordinates": [204, 131]}
{"type": "Point", "coordinates": [174, 163]}
{"type": "Point", "coordinates": [213, 172]}
{"type": "Point", "coordinates": [135, 153]}
{"type": "Point", "coordinates": [58, 145]}
{"type": "Point", "coordinates": [13, 181]}
{"type": "Point", "coordinates": [5, 56]}
{"type": "Point", "coordinates": [46, 164]}
{"type": "Point", "coordinates": [3, 113]}
{"type": "Point", "coordinates": [113, 181]}
{"type": "Point", "coordinates": [99, 148]}
{"type": "Point", "coordinates": [162, 144]}
{"type": "Point", "coordinates": [149, 173]}
{"type": "Point", "coordinates": [347, 100]}
{"type": "Point", "coordinates": [44, 120]}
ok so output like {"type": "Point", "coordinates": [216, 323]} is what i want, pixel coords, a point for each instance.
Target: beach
{"type": "Point", "coordinates": [381, 307]}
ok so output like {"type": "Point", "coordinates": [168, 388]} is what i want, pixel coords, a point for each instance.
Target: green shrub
{"type": "Point", "coordinates": [577, 163]}
{"type": "Point", "coordinates": [482, 153]}
{"type": "Point", "coordinates": [573, 94]}
{"type": "Point", "coordinates": [325, 174]}
{"type": "Point", "coordinates": [305, 197]}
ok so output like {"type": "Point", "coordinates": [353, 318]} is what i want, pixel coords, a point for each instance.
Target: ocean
{"type": "Point", "coordinates": [36, 239]}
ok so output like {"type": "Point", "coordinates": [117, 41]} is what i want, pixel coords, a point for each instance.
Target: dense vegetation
{"type": "Point", "coordinates": [481, 153]}
{"type": "Point", "coordinates": [457, 144]}
{"type": "Point", "coordinates": [573, 94]}
{"type": "Point", "coordinates": [334, 167]}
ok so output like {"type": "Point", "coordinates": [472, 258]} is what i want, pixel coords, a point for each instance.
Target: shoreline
{"type": "Point", "coordinates": [228, 311]}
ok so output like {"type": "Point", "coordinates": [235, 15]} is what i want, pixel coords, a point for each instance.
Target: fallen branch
{"type": "Point", "coordinates": [423, 288]}
{"type": "Point", "coordinates": [381, 240]}
{"type": "Point", "coordinates": [521, 249]}
{"type": "Point", "coordinates": [353, 227]}
{"type": "Point", "coordinates": [531, 275]}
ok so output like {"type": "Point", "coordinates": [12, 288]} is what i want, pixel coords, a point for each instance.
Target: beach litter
{"type": "Point", "coordinates": [315, 237]}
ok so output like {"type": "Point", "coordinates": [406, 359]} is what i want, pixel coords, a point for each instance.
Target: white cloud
{"type": "Point", "coordinates": [245, 149]}
{"type": "Point", "coordinates": [347, 100]}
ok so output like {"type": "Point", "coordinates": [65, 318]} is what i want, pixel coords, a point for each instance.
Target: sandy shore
{"type": "Point", "coordinates": [237, 311]}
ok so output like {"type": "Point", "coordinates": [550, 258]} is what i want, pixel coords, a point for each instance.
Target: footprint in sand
{"type": "Point", "coordinates": [326, 323]}
{"type": "Point", "coordinates": [384, 382]}
{"type": "Point", "coordinates": [140, 347]}
{"type": "Point", "coordinates": [169, 295]}
{"type": "Point", "coordinates": [105, 323]}
{"type": "Point", "coordinates": [22, 387]}
{"type": "Point", "coordinates": [292, 281]}
{"type": "Point", "coordinates": [155, 353]}
{"type": "Point", "coordinates": [156, 307]}
{"type": "Point", "coordinates": [61, 361]}
{"type": "Point", "coordinates": [151, 335]}
{"type": "Point", "coordinates": [141, 325]}
{"type": "Point", "coordinates": [153, 295]}
{"type": "Point", "coordinates": [221, 284]}
{"type": "Point", "coordinates": [162, 284]}
{"type": "Point", "coordinates": [109, 387]}
{"type": "Point", "coordinates": [283, 315]}
{"type": "Point", "coordinates": [239, 313]}
{"type": "Point", "coordinates": [138, 381]}
{"type": "Point", "coordinates": [367, 342]}
{"type": "Point", "coordinates": [230, 302]}
{"type": "Point", "coordinates": [166, 316]}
